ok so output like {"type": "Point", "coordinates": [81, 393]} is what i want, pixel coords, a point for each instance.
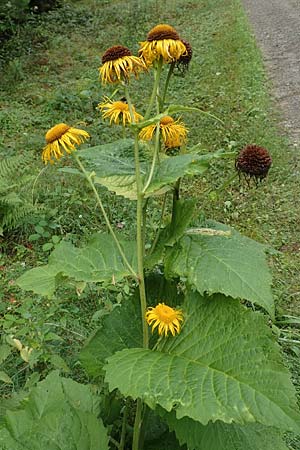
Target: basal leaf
{"type": "Point", "coordinates": [98, 261]}
{"type": "Point", "coordinates": [233, 265]}
{"type": "Point", "coordinates": [220, 435]}
{"type": "Point", "coordinates": [120, 329]}
{"type": "Point", "coordinates": [224, 366]}
{"type": "Point", "coordinates": [58, 414]}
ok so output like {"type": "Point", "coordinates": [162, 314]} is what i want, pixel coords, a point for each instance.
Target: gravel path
{"type": "Point", "coordinates": [276, 25]}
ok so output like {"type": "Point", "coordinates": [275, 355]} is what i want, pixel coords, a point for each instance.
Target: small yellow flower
{"type": "Point", "coordinates": [165, 318]}
{"type": "Point", "coordinates": [118, 112]}
{"type": "Point", "coordinates": [62, 138]}
{"type": "Point", "coordinates": [173, 132]}
{"type": "Point", "coordinates": [162, 41]}
{"type": "Point", "coordinates": [118, 64]}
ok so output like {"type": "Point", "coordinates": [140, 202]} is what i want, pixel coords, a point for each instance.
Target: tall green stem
{"type": "Point", "coordinates": [171, 70]}
{"type": "Point", "coordinates": [137, 425]}
{"type": "Point", "coordinates": [139, 225]}
{"type": "Point", "coordinates": [88, 177]}
{"type": "Point", "coordinates": [140, 263]}
{"type": "Point", "coordinates": [123, 431]}
{"type": "Point", "coordinates": [157, 74]}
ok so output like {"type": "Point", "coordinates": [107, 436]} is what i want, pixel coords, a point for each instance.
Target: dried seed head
{"type": "Point", "coordinates": [186, 58]}
{"type": "Point", "coordinates": [115, 52]}
{"type": "Point", "coordinates": [161, 32]}
{"type": "Point", "coordinates": [254, 161]}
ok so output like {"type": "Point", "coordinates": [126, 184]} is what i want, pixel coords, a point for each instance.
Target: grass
{"type": "Point", "coordinates": [53, 78]}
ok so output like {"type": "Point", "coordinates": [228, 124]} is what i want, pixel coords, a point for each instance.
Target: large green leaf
{"type": "Point", "coordinates": [114, 167]}
{"type": "Point", "coordinates": [183, 211]}
{"type": "Point", "coordinates": [58, 414]}
{"type": "Point", "coordinates": [115, 158]}
{"type": "Point", "coordinates": [224, 366]}
{"type": "Point", "coordinates": [220, 435]}
{"type": "Point", "coordinates": [173, 167]}
{"type": "Point", "coordinates": [120, 329]}
{"type": "Point", "coordinates": [233, 265]}
{"type": "Point", "coordinates": [98, 261]}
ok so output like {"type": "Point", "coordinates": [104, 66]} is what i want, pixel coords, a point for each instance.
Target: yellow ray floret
{"type": "Point", "coordinates": [162, 42]}
{"type": "Point", "coordinates": [165, 318]}
{"type": "Point", "coordinates": [118, 112]}
{"type": "Point", "coordinates": [173, 132]}
{"type": "Point", "coordinates": [62, 138]}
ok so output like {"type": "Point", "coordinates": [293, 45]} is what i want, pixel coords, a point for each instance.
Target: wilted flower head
{"type": "Point", "coordinates": [254, 161]}
{"type": "Point", "coordinates": [173, 132]}
{"type": "Point", "coordinates": [165, 318]}
{"type": "Point", "coordinates": [118, 112]}
{"type": "Point", "coordinates": [162, 42]}
{"type": "Point", "coordinates": [183, 62]}
{"type": "Point", "coordinates": [118, 64]}
{"type": "Point", "coordinates": [62, 138]}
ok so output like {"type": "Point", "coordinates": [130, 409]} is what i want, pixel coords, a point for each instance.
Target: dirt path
{"type": "Point", "coordinates": [276, 24]}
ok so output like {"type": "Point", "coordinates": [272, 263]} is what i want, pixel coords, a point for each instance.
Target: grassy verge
{"type": "Point", "coordinates": [53, 78]}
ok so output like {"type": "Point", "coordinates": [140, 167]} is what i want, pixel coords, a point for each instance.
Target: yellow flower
{"type": "Point", "coordinates": [165, 318]}
{"type": "Point", "coordinates": [62, 138]}
{"type": "Point", "coordinates": [173, 132]}
{"type": "Point", "coordinates": [118, 64]}
{"type": "Point", "coordinates": [118, 112]}
{"type": "Point", "coordinates": [162, 41]}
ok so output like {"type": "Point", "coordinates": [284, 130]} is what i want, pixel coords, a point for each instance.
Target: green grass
{"type": "Point", "coordinates": [53, 77]}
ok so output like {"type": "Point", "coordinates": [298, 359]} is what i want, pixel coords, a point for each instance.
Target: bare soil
{"type": "Point", "coordinates": [276, 25]}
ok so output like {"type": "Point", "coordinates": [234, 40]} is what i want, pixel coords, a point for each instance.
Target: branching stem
{"type": "Point", "coordinates": [99, 201]}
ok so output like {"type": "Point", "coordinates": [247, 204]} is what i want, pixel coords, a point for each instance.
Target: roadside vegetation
{"type": "Point", "coordinates": [49, 64]}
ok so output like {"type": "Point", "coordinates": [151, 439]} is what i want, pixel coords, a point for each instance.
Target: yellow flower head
{"type": "Point", "coordinates": [118, 112]}
{"type": "Point", "coordinates": [118, 64]}
{"type": "Point", "coordinates": [165, 318]}
{"type": "Point", "coordinates": [162, 41]}
{"type": "Point", "coordinates": [173, 132]}
{"type": "Point", "coordinates": [62, 138]}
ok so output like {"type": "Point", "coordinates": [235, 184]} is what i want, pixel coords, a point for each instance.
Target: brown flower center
{"type": "Point", "coordinates": [56, 132]}
{"type": "Point", "coordinates": [115, 52]}
{"type": "Point", "coordinates": [166, 120]}
{"type": "Point", "coordinates": [161, 32]}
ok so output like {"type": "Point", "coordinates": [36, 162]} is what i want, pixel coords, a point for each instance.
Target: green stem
{"type": "Point", "coordinates": [123, 431]}
{"type": "Point", "coordinates": [144, 222]}
{"type": "Point", "coordinates": [88, 177]}
{"type": "Point", "coordinates": [171, 70]}
{"type": "Point", "coordinates": [159, 225]}
{"type": "Point", "coordinates": [113, 441]}
{"type": "Point", "coordinates": [157, 74]}
{"type": "Point", "coordinates": [137, 425]}
{"type": "Point", "coordinates": [155, 157]}
{"type": "Point", "coordinates": [140, 263]}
